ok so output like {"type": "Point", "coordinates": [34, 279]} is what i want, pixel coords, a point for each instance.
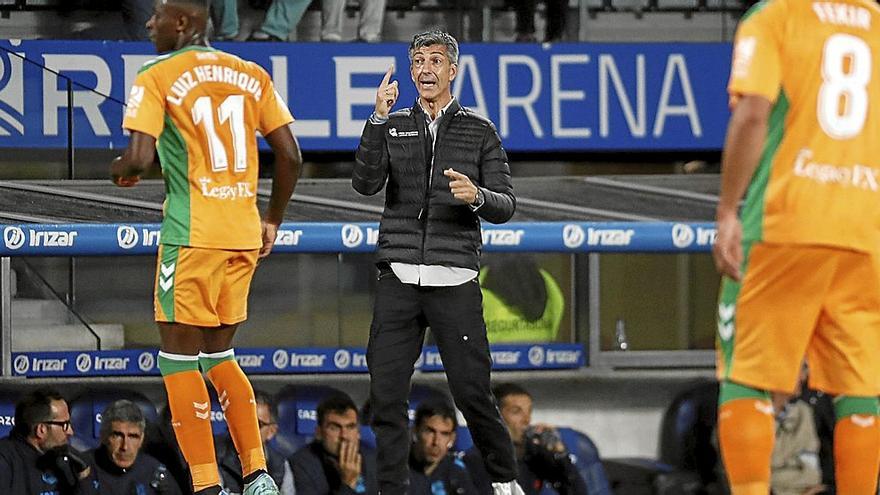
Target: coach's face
{"type": "Point", "coordinates": [432, 72]}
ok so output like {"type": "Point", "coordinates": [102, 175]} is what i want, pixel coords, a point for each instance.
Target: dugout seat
{"type": "Point", "coordinates": [687, 457]}
{"type": "Point", "coordinates": [8, 398]}
{"type": "Point", "coordinates": [86, 410]}
{"type": "Point", "coordinates": [298, 415]}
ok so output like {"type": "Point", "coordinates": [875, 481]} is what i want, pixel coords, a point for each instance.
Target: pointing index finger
{"type": "Point", "coordinates": [453, 174]}
{"type": "Point", "coordinates": [388, 74]}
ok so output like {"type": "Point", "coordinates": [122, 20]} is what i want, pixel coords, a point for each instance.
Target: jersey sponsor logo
{"type": "Point", "coordinates": [395, 133]}
{"type": "Point", "coordinates": [127, 236]}
{"type": "Point", "coordinates": [855, 175]}
{"type": "Point", "coordinates": [573, 236]}
{"type": "Point", "coordinates": [536, 356]}
{"type": "Point", "coordinates": [21, 365]}
{"type": "Point", "coordinates": [502, 237]}
{"type": "Point", "coordinates": [146, 361]}
{"type": "Point", "coordinates": [13, 237]}
{"type": "Point", "coordinates": [609, 237]}
{"type": "Point", "coordinates": [288, 237]}
{"type": "Point", "coordinates": [342, 359]}
{"type": "Point", "coordinates": [226, 192]}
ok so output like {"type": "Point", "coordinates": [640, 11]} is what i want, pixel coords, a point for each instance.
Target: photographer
{"type": "Point", "coordinates": [542, 459]}
{"type": "Point", "coordinates": [35, 459]}
{"type": "Point", "coordinates": [120, 466]}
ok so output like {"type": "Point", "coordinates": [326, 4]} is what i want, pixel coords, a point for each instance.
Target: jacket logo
{"type": "Point", "coordinates": [395, 133]}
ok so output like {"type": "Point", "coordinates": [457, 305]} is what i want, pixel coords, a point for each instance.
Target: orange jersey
{"type": "Point", "coordinates": [204, 108]}
{"type": "Point", "coordinates": [819, 178]}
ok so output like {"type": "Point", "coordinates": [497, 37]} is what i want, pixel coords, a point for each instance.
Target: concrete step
{"type": "Point", "coordinates": [39, 311]}
{"type": "Point", "coordinates": [66, 337]}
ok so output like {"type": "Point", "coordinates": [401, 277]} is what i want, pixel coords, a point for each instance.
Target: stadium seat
{"type": "Point", "coordinates": [218, 419]}
{"type": "Point", "coordinates": [86, 410]}
{"type": "Point", "coordinates": [687, 456]}
{"type": "Point", "coordinates": [463, 440]}
{"type": "Point", "coordinates": [585, 457]}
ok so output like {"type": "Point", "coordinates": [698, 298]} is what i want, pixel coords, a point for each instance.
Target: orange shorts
{"type": "Point", "coordinates": [203, 287]}
{"type": "Point", "coordinates": [796, 302]}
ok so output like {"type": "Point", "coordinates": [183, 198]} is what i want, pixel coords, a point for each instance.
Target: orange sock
{"type": "Point", "coordinates": [237, 401]}
{"type": "Point", "coordinates": [857, 454]}
{"type": "Point", "coordinates": [191, 419]}
{"type": "Point", "coordinates": [746, 434]}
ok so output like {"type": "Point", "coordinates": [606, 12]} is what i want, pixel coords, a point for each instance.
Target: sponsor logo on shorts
{"type": "Point", "coordinates": [725, 320]}
{"type": "Point", "coordinates": [573, 236]}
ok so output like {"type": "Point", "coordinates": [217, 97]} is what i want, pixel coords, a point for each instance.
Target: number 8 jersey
{"type": "Point", "coordinates": [818, 182]}
{"type": "Point", "coordinates": [204, 108]}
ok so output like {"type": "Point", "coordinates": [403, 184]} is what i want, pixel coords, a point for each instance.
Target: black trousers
{"type": "Point", "coordinates": [455, 315]}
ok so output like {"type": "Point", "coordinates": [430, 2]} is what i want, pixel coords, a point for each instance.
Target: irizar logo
{"type": "Point", "coordinates": [682, 235]}
{"type": "Point", "coordinates": [726, 313]}
{"type": "Point", "coordinates": [307, 360]}
{"type": "Point", "coordinates": [83, 363]}
{"type": "Point", "coordinates": [146, 361]}
{"type": "Point", "coordinates": [562, 357]}
{"type": "Point", "coordinates": [609, 237]}
{"type": "Point", "coordinates": [127, 236]}
{"type": "Point", "coordinates": [280, 359]}
{"type": "Point", "coordinates": [288, 237]}
{"type": "Point", "coordinates": [13, 237]}
{"type": "Point", "coordinates": [573, 236]}
{"type": "Point", "coordinates": [502, 237]}
{"type": "Point", "coordinates": [49, 364]}
{"type": "Point", "coordinates": [250, 360]}
{"type": "Point", "coordinates": [21, 364]}
{"type": "Point", "coordinates": [505, 357]}
{"type": "Point", "coordinates": [536, 356]}
{"type": "Point", "coordinates": [342, 359]}
{"type": "Point", "coordinates": [111, 363]}
{"type": "Point", "coordinates": [353, 236]}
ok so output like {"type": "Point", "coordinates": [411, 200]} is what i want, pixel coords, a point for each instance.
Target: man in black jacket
{"type": "Point", "coordinates": [335, 463]}
{"type": "Point", "coordinates": [35, 459]}
{"type": "Point", "coordinates": [119, 465]}
{"type": "Point", "coordinates": [445, 169]}
{"type": "Point", "coordinates": [433, 468]}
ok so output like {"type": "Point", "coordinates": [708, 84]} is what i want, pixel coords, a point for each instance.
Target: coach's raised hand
{"type": "Point", "coordinates": [386, 95]}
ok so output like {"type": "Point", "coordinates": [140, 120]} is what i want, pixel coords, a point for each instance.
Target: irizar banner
{"type": "Point", "coordinates": [559, 97]}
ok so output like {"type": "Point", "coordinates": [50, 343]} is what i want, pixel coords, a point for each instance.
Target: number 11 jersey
{"type": "Point", "coordinates": [204, 107]}
{"type": "Point", "coordinates": [818, 182]}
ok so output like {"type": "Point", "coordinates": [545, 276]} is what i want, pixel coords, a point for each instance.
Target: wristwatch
{"type": "Point", "coordinates": [480, 199]}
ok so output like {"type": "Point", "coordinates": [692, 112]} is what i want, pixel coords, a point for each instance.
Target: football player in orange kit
{"type": "Point", "coordinates": [201, 109]}
{"type": "Point", "coordinates": [800, 260]}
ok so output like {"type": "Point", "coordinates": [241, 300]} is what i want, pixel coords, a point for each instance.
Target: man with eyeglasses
{"type": "Point", "coordinates": [277, 466]}
{"type": "Point", "coordinates": [35, 459]}
{"type": "Point", "coordinates": [334, 463]}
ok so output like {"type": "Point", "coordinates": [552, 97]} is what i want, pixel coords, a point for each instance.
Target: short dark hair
{"type": "Point", "coordinates": [121, 410]}
{"type": "Point", "coordinates": [435, 37]}
{"type": "Point", "coordinates": [503, 390]}
{"type": "Point", "coordinates": [203, 4]}
{"type": "Point", "coordinates": [33, 409]}
{"type": "Point", "coordinates": [263, 397]}
{"type": "Point", "coordinates": [435, 407]}
{"type": "Point", "coordinates": [338, 402]}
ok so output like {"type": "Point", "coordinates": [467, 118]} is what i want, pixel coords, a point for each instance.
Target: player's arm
{"type": "Point", "coordinates": [125, 171]}
{"type": "Point", "coordinates": [742, 153]}
{"type": "Point", "coordinates": [288, 162]}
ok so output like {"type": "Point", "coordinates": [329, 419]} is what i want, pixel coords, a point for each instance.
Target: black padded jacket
{"type": "Point", "coordinates": [422, 222]}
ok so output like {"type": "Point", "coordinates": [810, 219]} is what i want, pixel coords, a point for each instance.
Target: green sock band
{"type": "Point", "coordinates": [846, 406]}
{"type": "Point", "coordinates": [733, 391]}
{"type": "Point", "coordinates": [170, 364]}
{"type": "Point", "coordinates": [209, 360]}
